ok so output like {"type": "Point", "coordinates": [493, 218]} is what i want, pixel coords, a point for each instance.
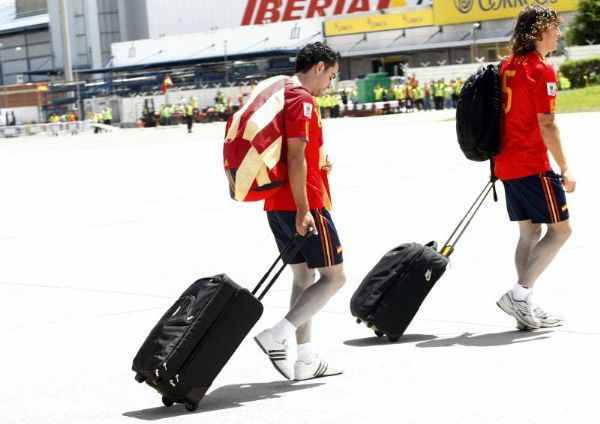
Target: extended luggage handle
{"type": "Point", "coordinates": [449, 245]}
{"type": "Point", "coordinates": [292, 247]}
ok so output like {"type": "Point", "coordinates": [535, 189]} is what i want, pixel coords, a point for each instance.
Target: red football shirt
{"type": "Point", "coordinates": [528, 88]}
{"type": "Point", "coordinates": [302, 119]}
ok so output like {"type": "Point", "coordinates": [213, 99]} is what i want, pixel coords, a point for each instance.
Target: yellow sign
{"type": "Point", "coordinates": [409, 19]}
{"type": "Point", "coordinates": [461, 11]}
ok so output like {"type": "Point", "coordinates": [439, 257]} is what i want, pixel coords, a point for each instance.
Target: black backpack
{"type": "Point", "coordinates": [478, 114]}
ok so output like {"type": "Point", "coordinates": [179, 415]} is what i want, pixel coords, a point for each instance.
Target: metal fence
{"type": "Point", "coordinates": [50, 129]}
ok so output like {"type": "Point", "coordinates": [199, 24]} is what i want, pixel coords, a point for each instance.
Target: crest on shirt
{"type": "Point", "coordinates": [551, 88]}
{"type": "Point", "coordinates": [308, 108]}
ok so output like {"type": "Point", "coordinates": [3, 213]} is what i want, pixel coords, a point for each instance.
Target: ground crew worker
{"type": "Point", "coordinates": [400, 95]}
{"type": "Point", "coordinates": [417, 95]}
{"type": "Point", "coordinates": [427, 97]}
{"type": "Point", "coordinates": [448, 94]}
{"type": "Point", "coordinates": [378, 93]}
{"type": "Point", "coordinates": [438, 95]}
{"type": "Point", "coordinates": [456, 87]}
{"type": "Point", "coordinates": [188, 112]}
{"type": "Point", "coordinates": [165, 114]}
{"type": "Point", "coordinates": [107, 116]}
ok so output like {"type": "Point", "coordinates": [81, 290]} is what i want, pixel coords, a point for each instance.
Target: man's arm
{"type": "Point", "coordinates": [551, 137]}
{"type": "Point", "coordinates": [296, 162]}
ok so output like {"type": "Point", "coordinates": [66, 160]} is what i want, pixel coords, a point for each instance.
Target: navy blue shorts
{"type": "Point", "coordinates": [539, 198]}
{"type": "Point", "coordinates": [319, 251]}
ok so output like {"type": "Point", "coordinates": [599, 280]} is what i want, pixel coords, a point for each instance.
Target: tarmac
{"type": "Point", "coordinates": [100, 233]}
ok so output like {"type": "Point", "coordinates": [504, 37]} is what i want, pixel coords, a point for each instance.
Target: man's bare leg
{"type": "Point", "coordinates": [304, 277]}
{"type": "Point", "coordinates": [314, 298]}
{"type": "Point", "coordinates": [532, 257]}
{"type": "Point", "coordinates": [545, 251]}
{"type": "Point", "coordinates": [529, 237]}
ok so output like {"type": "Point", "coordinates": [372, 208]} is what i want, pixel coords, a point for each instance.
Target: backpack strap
{"type": "Point", "coordinates": [493, 179]}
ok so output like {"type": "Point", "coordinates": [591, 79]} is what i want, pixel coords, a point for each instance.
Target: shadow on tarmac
{"type": "Point", "coordinates": [232, 396]}
{"type": "Point", "coordinates": [491, 339]}
{"type": "Point", "coordinates": [378, 341]}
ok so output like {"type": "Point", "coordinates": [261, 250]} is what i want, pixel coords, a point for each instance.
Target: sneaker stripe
{"type": "Point", "coordinates": [321, 369]}
{"type": "Point", "coordinates": [316, 373]}
{"type": "Point", "coordinates": [324, 368]}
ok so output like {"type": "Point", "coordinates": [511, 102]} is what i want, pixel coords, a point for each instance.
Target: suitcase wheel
{"type": "Point", "coordinates": [393, 339]}
{"type": "Point", "coordinates": [379, 334]}
{"type": "Point", "coordinates": [167, 402]}
{"type": "Point", "coordinates": [358, 321]}
{"type": "Point", "coordinates": [139, 378]}
{"type": "Point", "coordinates": [191, 406]}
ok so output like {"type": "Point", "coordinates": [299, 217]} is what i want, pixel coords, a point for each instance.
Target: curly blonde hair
{"type": "Point", "coordinates": [530, 26]}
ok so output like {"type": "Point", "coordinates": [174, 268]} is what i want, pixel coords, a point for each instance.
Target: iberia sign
{"type": "Point", "coordinates": [409, 19]}
{"type": "Point", "coordinates": [461, 11]}
{"type": "Point", "coordinates": [266, 11]}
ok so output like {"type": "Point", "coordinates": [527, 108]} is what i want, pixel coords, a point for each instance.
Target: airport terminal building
{"type": "Point", "coordinates": [126, 47]}
{"type": "Point", "coordinates": [370, 34]}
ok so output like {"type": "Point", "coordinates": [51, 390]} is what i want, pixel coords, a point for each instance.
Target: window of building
{"type": "Point", "coordinates": [28, 51]}
{"type": "Point", "coordinates": [108, 21]}
{"type": "Point", "coordinates": [81, 42]}
{"type": "Point", "coordinates": [31, 7]}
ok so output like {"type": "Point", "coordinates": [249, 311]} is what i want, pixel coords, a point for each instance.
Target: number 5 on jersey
{"type": "Point", "coordinates": [506, 89]}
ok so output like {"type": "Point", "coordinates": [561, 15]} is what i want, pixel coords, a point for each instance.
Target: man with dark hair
{"type": "Point", "coordinates": [302, 205]}
{"type": "Point", "coordinates": [535, 194]}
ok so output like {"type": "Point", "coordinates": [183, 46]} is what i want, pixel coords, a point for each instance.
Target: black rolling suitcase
{"type": "Point", "coordinates": [392, 292]}
{"type": "Point", "coordinates": [195, 338]}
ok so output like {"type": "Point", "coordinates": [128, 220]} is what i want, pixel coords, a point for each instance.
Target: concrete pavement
{"type": "Point", "coordinates": [99, 233]}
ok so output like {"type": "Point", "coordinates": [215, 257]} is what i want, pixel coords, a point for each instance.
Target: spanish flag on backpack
{"type": "Point", "coordinates": [253, 144]}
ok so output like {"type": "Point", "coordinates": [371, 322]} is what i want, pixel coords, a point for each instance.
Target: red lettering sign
{"type": "Point", "coordinates": [358, 6]}
{"type": "Point", "coordinates": [339, 7]}
{"type": "Point", "coordinates": [247, 19]}
{"type": "Point", "coordinates": [268, 11]}
{"type": "Point", "coordinates": [263, 11]}
{"type": "Point", "coordinates": [291, 8]}
{"type": "Point", "coordinates": [316, 9]}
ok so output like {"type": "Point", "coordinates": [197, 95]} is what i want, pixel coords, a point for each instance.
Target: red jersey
{"type": "Point", "coordinates": [528, 88]}
{"type": "Point", "coordinates": [302, 119]}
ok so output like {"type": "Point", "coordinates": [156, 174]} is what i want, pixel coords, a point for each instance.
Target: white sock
{"type": "Point", "coordinates": [306, 353]}
{"type": "Point", "coordinates": [520, 292]}
{"type": "Point", "coordinates": [283, 330]}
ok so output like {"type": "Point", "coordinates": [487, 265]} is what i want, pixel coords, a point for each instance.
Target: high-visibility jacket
{"type": "Point", "coordinates": [399, 93]}
{"type": "Point", "coordinates": [438, 89]}
{"type": "Point", "coordinates": [378, 92]}
{"type": "Point", "coordinates": [417, 93]}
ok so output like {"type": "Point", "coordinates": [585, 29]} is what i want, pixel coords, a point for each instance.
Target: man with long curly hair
{"type": "Point", "coordinates": [535, 194]}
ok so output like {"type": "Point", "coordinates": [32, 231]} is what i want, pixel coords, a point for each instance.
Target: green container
{"type": "Point", "coordinates": [366, 85]}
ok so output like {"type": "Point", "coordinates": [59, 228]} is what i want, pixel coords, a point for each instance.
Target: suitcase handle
{"type": "Point", "coordinates": [292, 247]}
{"type": "Point", "coordinates": [449, 245]}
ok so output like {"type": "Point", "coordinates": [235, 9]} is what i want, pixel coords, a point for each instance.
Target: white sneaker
{"type": "Point", "coordinates": [547, 319]}
{"type": "Point", "coordinates": [315, 369]}
{"type": "Point", "coordinates": [277, 352]}
{"type": "Point", "coordinates": [521, 310]}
